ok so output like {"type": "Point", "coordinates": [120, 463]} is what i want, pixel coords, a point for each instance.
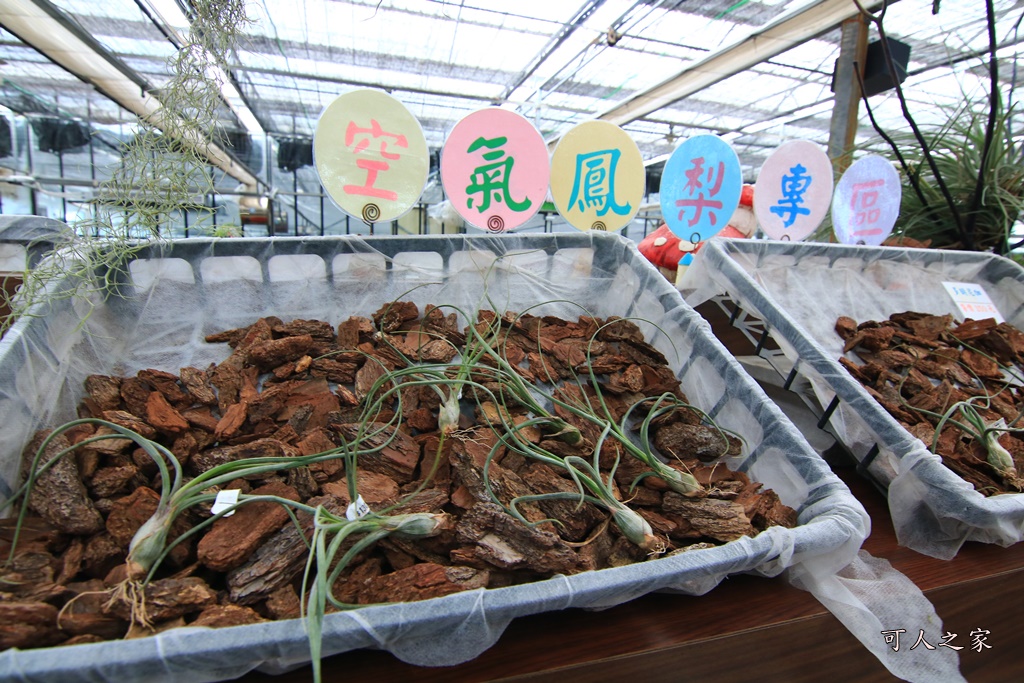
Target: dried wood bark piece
{"type": "Point", "coordinates": [577, 520]}
{"type": "Point", "coordinates": [422, 582]}
{"type": "Point", "coordinates": [504, 542]}
{"type": "Point", "coordinates": [392, 316]}
{"type": "Point", "coordinates": [273, 352]}
{"type": "Point", "coordinates": [84, 614]}
{"type": "Point", "coordinates": [197, 383]}
{"type": "Point", "coordinates": [59, 496]}
{"type": "Point", "coordinates": [703, 442]}
{"type": "Point", "coordinates": [220, 616]}
{"type": "Point", "coordinates": [315, 329]}
{"type": "Point", "coordinates": [722, 520]}
{"type": "Point", "coordinates": [171, 598]}
{"type": "Point", "coordinates": [28, 624]}
{"type": "Point", "coordinates": [260, 448]}
{"type": "Point", "coordinates": [846, 327]}
{"type": "Point", "coordinates": [108, 481]}
{"type": "Point", "coordinates": [162, 415]}
{"type": "Point", "coordinates": [166, 383]}
{"type": "Point", "coordinates": [398, 456]}
{"type": "Point", "coordinates": [375, 488]}
{"type": "Point", "coordinates": [104, 390]}
{"type": "Point", "coordinates": [129, 421]}
{"type": "Point", "coordinates": [231, 540]}
{"type": "Point", "coordinates": [134, 510]}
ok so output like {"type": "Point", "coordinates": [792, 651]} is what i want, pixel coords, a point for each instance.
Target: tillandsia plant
{"type": "Point", "coordinates": [164, 170]}
{"type": "Point", "coordinates": [964, 179]}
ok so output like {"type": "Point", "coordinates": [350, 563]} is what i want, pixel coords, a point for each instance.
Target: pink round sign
{"type": "Point", "coordinates": [495, 169]}
{"type": "Point", "coordinates": [793, 191]}
{"type": "Point", "coordinates": [866, 202]}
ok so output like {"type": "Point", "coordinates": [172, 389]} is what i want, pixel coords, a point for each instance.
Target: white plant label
{"type": "Point", "coordinates": [973, 301]}
{"type": "Point", "coordinates": [357, 509]}
{"type": "Point", "coordinates": [224, 500]}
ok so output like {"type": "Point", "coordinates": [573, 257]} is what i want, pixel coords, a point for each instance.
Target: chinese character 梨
{"type": "Point", "coordinates": [793, 188]}
{"type": "Point", "coordinates": [491, 180]}
{"type": "Point", "coordinates": [373, 167]}
{"type": "Point", "coordinates": [694, 186]}
{"type": "Point", "coordinates": [596, 170]}
{"type": "Point", "coordinates": [892, 637]}
{"type": "Point", "coordinates": [978, 638]}
{"type": "Point", "coordinates": [863, 202]}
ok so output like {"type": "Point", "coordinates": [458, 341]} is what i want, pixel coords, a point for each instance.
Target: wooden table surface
{"type": "Point", "coordinates": [746, 629]}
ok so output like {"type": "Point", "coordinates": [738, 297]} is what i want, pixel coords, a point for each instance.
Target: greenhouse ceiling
{"type": "Point", "coordinates": [757, 72]}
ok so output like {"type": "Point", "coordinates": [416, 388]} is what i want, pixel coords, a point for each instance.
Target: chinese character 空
{"type": "Point", "coordinates": [491, 180]}
{"type": "Point", "coordinates": [372, 166]}
{"type": "Point", "coordinates": [978, 637]}
{"type": "Point", "coordinates": [694, 186]}
{"type": "Point", "coordinates": [892, 637]}
{"type": "Point", "coordinates": [920, 640]}
{"type": "Point", "coordinates": [862, 202]}
{"type": "Point", "coordinates": [793, 188]}
{"type": "Point", "coordinates": [597, 172]}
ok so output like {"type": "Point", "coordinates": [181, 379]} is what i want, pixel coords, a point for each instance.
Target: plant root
{"type": "Point", "coordinates": [132, 593]}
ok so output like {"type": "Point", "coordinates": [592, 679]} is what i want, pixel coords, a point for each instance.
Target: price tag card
{"type": "Point", "coordinates": [597, 177]}
{"type": "Point", "coordinates": [973, 301]}
{"type": "Point", "coordinates": [371, 155]}
{"type": "Point", "coordinates": [357, 509]}
{"type": "Point", "coordinates": [700, 188]}
{"type": "Point", "coordinates": [793, 191]}
{"type": "Point", "coordinates": [495, 169]}
{"type": "Point", "coordinates": [224, 500]}
{"type": "Point", "coordinates": [866, 202]}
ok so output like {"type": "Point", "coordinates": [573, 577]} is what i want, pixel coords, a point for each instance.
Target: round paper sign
{"type": "Point", "coordinates": [495, 169]}
{"type": "Point", "coordinates": [371, 155]}
{"type": "Point", "coordinates": [866, 202]}
{"type": "Point", "coordinates": [597, 176]}
{"type": "Point", "coordinates": [793, 191]}
{"type": "Point", "coordinates": [700, 187]}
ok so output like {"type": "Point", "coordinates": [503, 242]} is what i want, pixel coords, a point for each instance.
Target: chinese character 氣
{"type": "Point", "coordinates": [373, 167]}
{"type": "Point", "coordinates": [491, 180]}
{"type": "Point", "coordinates": [863, 203]}
{"type": "Point", "coordinates": [920, 640]}
{"type": "Point", "coordinates": [793, 188]}
{"type": "Point", "coordinates": [892, 637]}
{"type": "Point", "coordinates": [694, 186]}
{"type": "Point", "coordinates": [596, 170]}
{"type": "Point", "coordinates": [978, 637]}
{"type": "Point", "coordinates": [946, 639]}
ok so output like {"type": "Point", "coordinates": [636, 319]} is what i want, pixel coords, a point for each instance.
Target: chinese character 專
{"type": "Point", "coordinates": [596, 170]}
{"type": "Point", "coordinates": [373, 167]}
{"type": "Point", "coordinates": [978, 638]}
{"type": "Point", "coordinates": [694, 187]}
{"type": "Point", "coordinates": [491, 180]}
{"type": "Point", "coordinates": [793, 188]}
{"type": "Point", "coordinates": [863, 202]}
{"type": "Point", "coordinates": [947, 639]}
{"type": "Point", "coordinates": [921, 640]}
{"type": "Point", "coordinates": [892, 637]}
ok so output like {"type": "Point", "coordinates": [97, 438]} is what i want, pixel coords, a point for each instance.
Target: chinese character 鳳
{"type": "Point", "coordinates": [793, 188]}
{"type": "Point", "coordinates": [372, 166]}
{"type": "Point", "coordinates": [920, 640]}
{"type": "Point", "coordinates": [862, 202]}
{"type": "Point", "coordinates": [596, 172]}
{"type": "Point", "coordinates": [978, 637]}
{"type": "Point", "coordinates": [892, 637]}
{"type": "Point", "coordinates": [946, 639]}
{"type": "Point", "coordinates": [694, 187]}
{"type": "Point", "coordinates": [491, 179]}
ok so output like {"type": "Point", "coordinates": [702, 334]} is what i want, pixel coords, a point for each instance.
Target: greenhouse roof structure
{"type": "Point", "coordinates": [756, 72]}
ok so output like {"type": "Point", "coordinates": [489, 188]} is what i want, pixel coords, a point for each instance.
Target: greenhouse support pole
{"type": "Point", "coordinates": [853, 46]}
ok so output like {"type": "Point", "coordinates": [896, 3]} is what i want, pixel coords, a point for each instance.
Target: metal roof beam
{"type": "Point", "coordinates": [41, 25]}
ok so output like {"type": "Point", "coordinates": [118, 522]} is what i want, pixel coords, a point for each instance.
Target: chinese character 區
{"type": "Point", "coordinates": [793, 188]}
{"type": "Point", "coordinates": [373, 167]}
{"type": "Point", "coordinates": [865, 213]}
{"type": "Point", "coordinates": [694, 185]}
{"type": "Point", "coordinates": [597, 172]}
{"type": "Point", "coordinates": [491, 180]}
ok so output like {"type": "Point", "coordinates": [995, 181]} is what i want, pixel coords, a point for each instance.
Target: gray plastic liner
{"type": "Point", "coordinates": [179, 292]}
{"type": "Point", "coordinates": [800, 290]}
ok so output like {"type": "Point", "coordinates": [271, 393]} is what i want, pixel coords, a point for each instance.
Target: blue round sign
{"type": "Point", "coordinates": [700, 187]}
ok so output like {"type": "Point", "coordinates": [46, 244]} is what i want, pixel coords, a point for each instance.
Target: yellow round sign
{"type": "Point", "coordinates": [597, 176]}
{"type": "Point", "coordinates": [371, 155]}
